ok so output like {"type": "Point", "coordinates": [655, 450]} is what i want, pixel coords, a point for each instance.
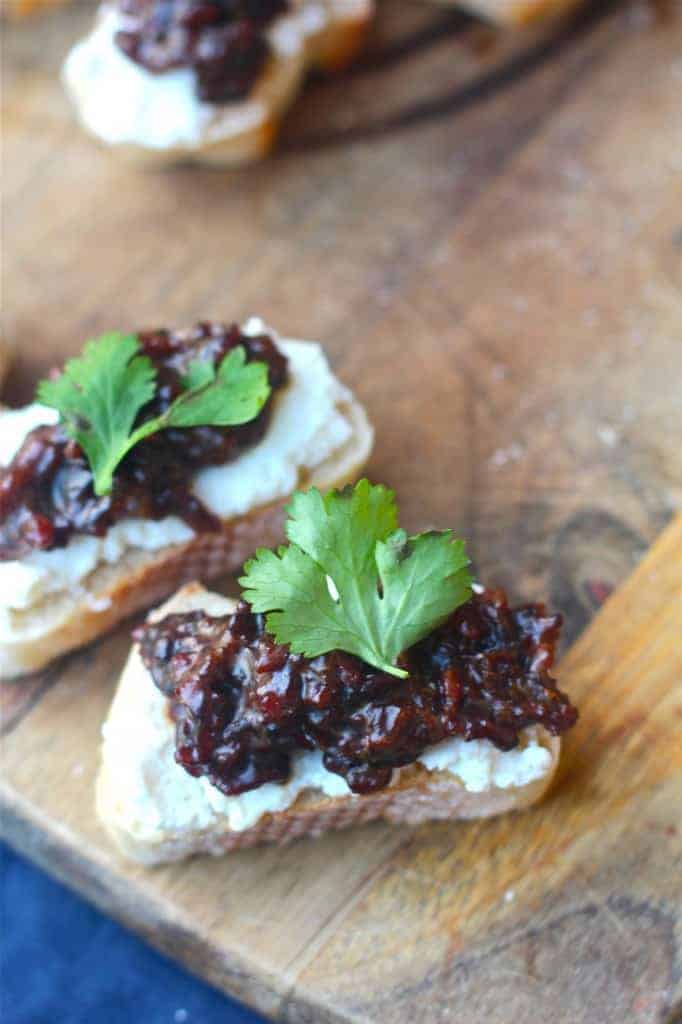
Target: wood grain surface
{"type": "Point", "coordinates": [486, 233]}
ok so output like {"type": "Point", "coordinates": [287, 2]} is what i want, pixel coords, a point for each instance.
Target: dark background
{"type": "Point", "coordinates": [64, 963]}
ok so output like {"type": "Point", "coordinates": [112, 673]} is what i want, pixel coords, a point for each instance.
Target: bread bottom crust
{"type": "Point", "coordinates": [137, 581]}
{"type": "Point", "coordinates": [514, 12]}
{"type": "Point", "coordinates": [5, 360]}
{"type": "Point", "coordinates": [142, 578]}
{"type": "Point", "coordinates": [418, 797]}
{"type": "Point", "coordinates": [22, 8]}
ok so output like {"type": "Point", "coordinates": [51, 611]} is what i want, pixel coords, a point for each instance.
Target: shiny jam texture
{"type": "Point", "coordinates": [243, 704]}
{"type": "Point", "coordinates": [222, 40]}
{"type": "Point", "coordinates": [47, 495]}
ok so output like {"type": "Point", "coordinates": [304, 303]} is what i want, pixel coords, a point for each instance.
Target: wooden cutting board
{"type": "Point", "coordinates": [566, 913]}
{"type": "Point", "coordinates": [486, 233]}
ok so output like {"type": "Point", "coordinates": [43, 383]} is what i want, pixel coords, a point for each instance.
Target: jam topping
{"type": "Point", "coordinates": [223, 41]}
{"type": "Point", "coordinates": [243, 704]}
{"type": "Point", "coordinates": [47, 494]}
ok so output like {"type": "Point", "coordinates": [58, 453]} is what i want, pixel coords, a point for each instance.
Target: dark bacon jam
{"type": "Point", "coordinates": [243, 705]}
{"type": "Point", "coordinates": [47, 495]}
{"type": "Point", "coordinates": [223, 41]}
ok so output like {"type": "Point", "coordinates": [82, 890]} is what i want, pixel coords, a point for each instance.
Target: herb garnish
{"type": "Point", "coordinates": [101, 393]}
{"type": "Point", "coordinates": [350, 580]}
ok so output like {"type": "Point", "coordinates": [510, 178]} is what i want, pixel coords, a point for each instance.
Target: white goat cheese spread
{"type": "Point", "coordinates": [155, 796]}
{"type": "Point", "coordinates": [307, 426]}
{"type": "Point", "coordinates": [122, 103]}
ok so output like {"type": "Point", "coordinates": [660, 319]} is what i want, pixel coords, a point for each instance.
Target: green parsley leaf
{"type": "Point", "coordinates": [235, 394]}
{"type": "Point", "coordinates": [351, 581]}
{"type": "Point", "coordinates": [98, 396]}
{"type": "Point", "coordinates": [101, 393]}
{"type": "Point", "coordinates": [199, 373]}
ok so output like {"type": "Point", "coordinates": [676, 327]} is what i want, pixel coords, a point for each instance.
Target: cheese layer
{"type": "Point", "coordinates": [123, 103]}
{"type": "Point", "coordinates": [154, 796]}
{"type": "Point", "coordinates": [307, 427]}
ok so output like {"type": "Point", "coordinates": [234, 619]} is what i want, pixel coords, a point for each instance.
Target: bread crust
{"type": "Point", "coordinates": [420, 796]}
{"type": "Point", "coordinates": [22, 8]}
{"type": "Point", "coordinates": [5, 360]}
{"type": "Point", "coordinates": [514, 12]}
{"type": "Point", "coordinates": [416, 797]}
{"type": "Point", "coordinates": [112, 593]}
{"type": "Point", "coordinates": [330, 48]}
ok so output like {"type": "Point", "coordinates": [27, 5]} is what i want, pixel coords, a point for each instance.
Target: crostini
{"type": "Point", "coordinates": [363, 676]}
{"type": "Point", "coordinates": [152, 460]}
{"type": "Point", "coordinates": [202, 80]}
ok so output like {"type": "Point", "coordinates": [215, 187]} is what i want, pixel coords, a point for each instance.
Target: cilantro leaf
{"type": "Point", "coordinates": [351, 581]}
{"type": "Point", "coordinates": [290, 580]}
{"type": "Point", "coordinates": [199, 373]}
{"type": "Point", "coordinates": [235, 394]}
{"type": "Point", "coordinates": [100, 394]}
{"type": "Point", "coordinates": [423, 579]}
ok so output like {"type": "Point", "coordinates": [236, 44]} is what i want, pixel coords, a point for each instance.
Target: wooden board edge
{"type": "Point", "coordinates": [53, 849]}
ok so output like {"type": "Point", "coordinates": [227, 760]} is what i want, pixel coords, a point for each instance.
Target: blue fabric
{"type": "Point", "coordinates": [62, 962]}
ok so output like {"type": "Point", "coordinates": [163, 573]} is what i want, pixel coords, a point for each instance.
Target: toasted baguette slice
{"type": "Point", "coordinates": [156, 812]}
{"type": "Point", "coordinates": [514, 12]}
{"type": "Point", "coordinates": [64, 620]}
{"type": "Point", "coordinates": [326, 35]}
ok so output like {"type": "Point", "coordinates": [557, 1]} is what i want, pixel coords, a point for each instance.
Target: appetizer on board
{"type": "Point", "coordinates": [206, 80]}
{"type": "Point", "coordinates": [362, 676]}
{"type": "Point", "coordinates": [154, 459]}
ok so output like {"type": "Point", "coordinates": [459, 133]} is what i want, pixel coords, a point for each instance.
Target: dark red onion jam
{"type": "Point", "coordinates": [223, 41]}
{"type": "Point", "coordinates": [243, 704]}
{"type": "Point", "coordinates": [47, 495]}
